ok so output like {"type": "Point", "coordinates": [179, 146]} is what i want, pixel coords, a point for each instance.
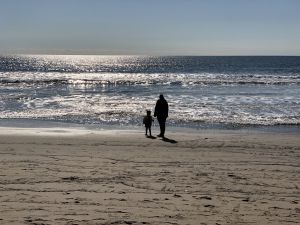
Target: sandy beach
{"type": "Point", "coordinates": [85, 177]}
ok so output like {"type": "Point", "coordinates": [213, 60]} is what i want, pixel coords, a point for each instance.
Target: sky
{"type": "Point", "coordinates": [150, 27]}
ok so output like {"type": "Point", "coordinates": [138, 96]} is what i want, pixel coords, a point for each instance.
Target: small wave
{"type": "Point", "coordinates": [129, 118]}
{"type": "Point", "coordinates": [146, 79]}
{"type": "Point", "coordinates": [51, 81]}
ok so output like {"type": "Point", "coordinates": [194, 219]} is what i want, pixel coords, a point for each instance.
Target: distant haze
{"type": "Point", "coordinates": [153, 27]}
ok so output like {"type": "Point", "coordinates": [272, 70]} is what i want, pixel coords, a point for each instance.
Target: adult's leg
{"type": "Point", "coordinates": [159, 122]}
{"type": "Point", "coordinates": [162, 126]}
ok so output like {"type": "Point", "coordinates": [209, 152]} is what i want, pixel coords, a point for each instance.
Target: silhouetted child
{"type": "Point", "coordinates": [148, 122]}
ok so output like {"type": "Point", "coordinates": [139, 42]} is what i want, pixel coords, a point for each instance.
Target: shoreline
{"type": "Point", "coordinates": [208, 128]}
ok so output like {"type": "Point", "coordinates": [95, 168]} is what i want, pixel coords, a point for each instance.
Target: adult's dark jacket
{"type": "Point", "coordinates": [161, 109]}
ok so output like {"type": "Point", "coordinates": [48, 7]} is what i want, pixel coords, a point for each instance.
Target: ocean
{"type": "Point", "coordinates": [115, 91]}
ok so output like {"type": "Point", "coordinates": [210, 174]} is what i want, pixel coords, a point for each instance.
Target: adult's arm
{"type": "Point", "coordinates": [156, 109]}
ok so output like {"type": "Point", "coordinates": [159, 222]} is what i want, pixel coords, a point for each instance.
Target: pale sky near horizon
{"type": "Point", "coordinates": [154, 27]}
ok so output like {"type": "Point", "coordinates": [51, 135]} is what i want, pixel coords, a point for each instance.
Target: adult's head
{"type": "Point", "coordinates": [161, 97]}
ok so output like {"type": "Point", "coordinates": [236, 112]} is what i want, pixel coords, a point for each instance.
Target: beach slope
{"type": "Point", "coordinates": [59, 176]}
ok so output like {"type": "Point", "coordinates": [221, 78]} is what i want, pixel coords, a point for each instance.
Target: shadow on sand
{"type": "Point", "coordinates": [169, 140]}
{"type": "Point", "coordinates": [163, 139]}
{"type": "Point", "coordinates": [151, 137]}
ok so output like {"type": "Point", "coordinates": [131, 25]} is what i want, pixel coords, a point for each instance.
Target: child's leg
{"type": "Point", "coordinates": [146, 130]}
{"type": "Point", "coordinates": [150, 131]}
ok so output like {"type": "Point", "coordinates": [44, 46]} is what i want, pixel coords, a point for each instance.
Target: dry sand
{"type": "Point", "coordinates": [55, 176]}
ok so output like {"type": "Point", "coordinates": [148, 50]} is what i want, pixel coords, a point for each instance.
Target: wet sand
{"type": "Point", "coordinates": [61, 176]}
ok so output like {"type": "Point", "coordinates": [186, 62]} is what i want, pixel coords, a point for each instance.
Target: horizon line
{"type": "Point", "coordinates": [154, 55]}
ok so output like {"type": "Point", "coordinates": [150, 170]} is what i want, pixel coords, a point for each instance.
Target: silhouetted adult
{"type": "Point", "coordinates": [161, 112]}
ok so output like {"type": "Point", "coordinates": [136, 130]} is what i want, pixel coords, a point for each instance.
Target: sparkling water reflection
{"type": "Point", "coordinates": [117, 90]}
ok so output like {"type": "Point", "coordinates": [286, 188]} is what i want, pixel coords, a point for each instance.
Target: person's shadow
{"type": "Point", "coordinates": [151, 137]}
{"type": "Point", "coordinates": [169, 140]}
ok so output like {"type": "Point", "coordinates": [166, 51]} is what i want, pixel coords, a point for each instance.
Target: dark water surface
{"type": "Point", "coordinates": [203, 92]}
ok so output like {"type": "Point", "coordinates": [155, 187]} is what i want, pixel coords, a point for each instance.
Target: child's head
{"type": "Point", "coordinates": [148, 112]}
